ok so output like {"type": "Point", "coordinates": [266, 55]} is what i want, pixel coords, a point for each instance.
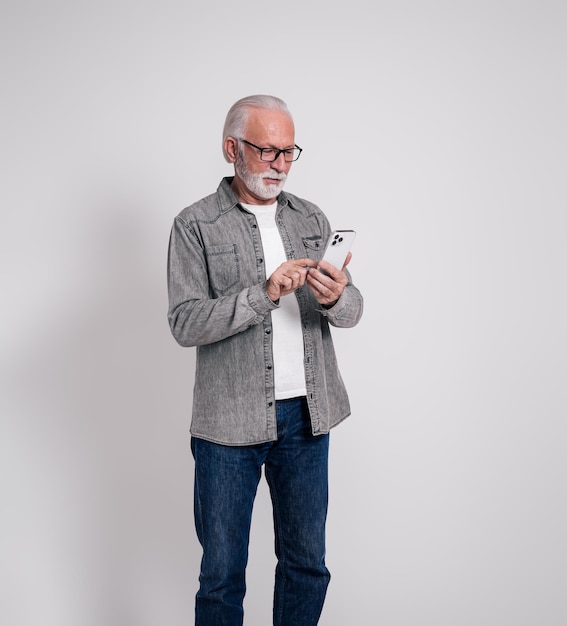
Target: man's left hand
{"type": "Point", "coordinates": [328, 287]}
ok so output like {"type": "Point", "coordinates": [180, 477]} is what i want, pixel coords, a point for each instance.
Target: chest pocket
{"type": "Point", "coordinates": [313, 247]}
{"type": "Point", "coordinates": [224, 268]}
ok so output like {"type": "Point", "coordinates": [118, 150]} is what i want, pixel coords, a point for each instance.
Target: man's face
{"type": "Point", "coordinates": [260, 182]}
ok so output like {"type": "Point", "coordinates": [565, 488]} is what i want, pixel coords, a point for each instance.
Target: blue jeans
{"type": "Point", "coordinates": [226, 480]}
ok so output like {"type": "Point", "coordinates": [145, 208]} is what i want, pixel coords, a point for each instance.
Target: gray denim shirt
{"type": "Point", "coordinates": [218, 302]}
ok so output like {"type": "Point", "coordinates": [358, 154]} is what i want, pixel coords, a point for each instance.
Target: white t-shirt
{"type": "Point", "coordinates": [287, 338]}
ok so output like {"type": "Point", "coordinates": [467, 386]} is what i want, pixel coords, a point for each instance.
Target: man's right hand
{"type": "Point", "coordinates": [288, 277]}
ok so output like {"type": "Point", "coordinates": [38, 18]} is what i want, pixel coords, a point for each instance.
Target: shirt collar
{"type": "Point", "coordinates": [227, 199]}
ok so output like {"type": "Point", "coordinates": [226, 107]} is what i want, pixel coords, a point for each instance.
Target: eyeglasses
{"type": "Point", "coordinates": [272, 154]}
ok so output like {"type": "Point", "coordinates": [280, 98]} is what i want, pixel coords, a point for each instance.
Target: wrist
{"type": "Point", "coordinates": [275, 298]}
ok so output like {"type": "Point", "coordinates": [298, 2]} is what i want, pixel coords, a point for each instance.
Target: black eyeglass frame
{"type": "Point", "coordinates": [285, 152]}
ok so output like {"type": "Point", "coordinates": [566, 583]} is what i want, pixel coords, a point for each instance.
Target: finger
{"type": "Point", "coordinates": [295, 272]}
{"type": "Point", "coordinates": [325, 287]}
{"type": "Point", "coordinates": [327, 268]}
{"type": "Point", "coordinates": [304, 263]}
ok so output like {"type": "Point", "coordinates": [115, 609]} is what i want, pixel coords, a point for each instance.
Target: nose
{"type": "Point", "coordinates": [280, 164]}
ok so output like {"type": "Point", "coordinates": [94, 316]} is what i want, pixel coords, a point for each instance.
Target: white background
{"type": "Point", "coordinates": [437, 131]}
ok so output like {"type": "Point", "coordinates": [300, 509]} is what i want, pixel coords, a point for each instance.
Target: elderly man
{"type": "Point", "coordinates": [245, 288]}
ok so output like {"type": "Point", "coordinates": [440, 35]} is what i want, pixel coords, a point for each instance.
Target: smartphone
{"type": "Point", "coordinates": [338, 246]}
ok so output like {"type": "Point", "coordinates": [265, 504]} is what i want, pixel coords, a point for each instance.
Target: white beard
{"type": "Point", "coordinates": [254, 182]}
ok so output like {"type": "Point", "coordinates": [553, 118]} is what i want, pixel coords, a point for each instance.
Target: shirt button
{"type": "Point", "coordinates": [269, 367]}
{"type": "Point", "coordinates": [260, 261]}
{"type": "Point", "coordinates": [268, 331]}
{"type": "Point", "coordinates": [270, 403]}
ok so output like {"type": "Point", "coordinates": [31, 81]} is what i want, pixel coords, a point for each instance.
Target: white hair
{"type": "Point", "coordinates": [237, 116]}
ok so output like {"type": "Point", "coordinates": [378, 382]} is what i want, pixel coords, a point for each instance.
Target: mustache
{"type": "Point", "coordinates": [273, 174]}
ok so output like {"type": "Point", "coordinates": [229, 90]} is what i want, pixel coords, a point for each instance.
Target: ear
{"type": "Point", "coordinates": [231, 148]}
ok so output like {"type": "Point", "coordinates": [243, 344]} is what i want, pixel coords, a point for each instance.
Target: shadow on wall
{"type": "Point", "coordinates": [99, 522]}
